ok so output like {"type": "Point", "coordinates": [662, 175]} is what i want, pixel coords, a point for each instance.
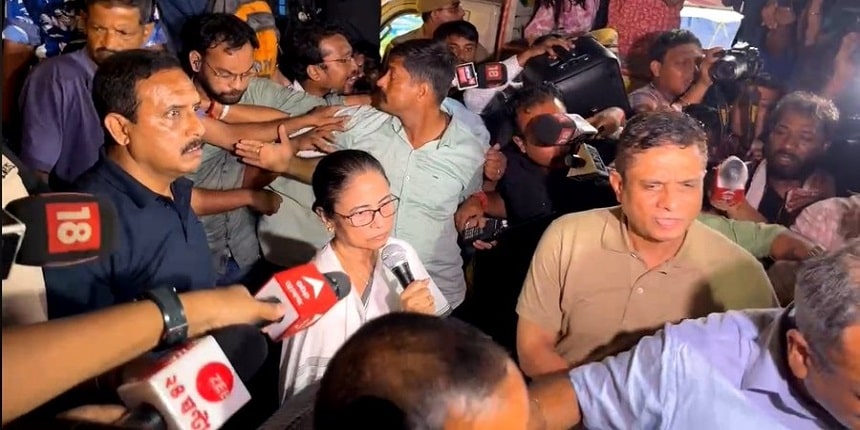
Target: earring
{"type": "Point", "coordinates": [330, 228]}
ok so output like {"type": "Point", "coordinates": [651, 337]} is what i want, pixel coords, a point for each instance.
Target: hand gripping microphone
{"type": "Point", "coordinates": [306, 294]}
{"type": "Point", "coordinates": [62, 228]}
{"type": "Point", "coordinates": [484, 75]}
{"type": "Point", "coordinates": [394, 258]}
{"type": "Point", "coordinates": [197, 386]}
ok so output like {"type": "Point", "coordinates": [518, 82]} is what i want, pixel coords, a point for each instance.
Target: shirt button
{"type": "Point", "coordinates": [407, 177]}
{"type": "Point", "coordinates": [640, 290]}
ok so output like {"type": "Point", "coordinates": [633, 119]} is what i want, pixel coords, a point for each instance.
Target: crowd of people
{"type": "Point", "coordinates": [649, 300]}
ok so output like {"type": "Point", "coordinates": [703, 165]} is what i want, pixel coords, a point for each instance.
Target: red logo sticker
{"type": "Point", "coordinates": [215, 382]}
{"type": "Point", "coordinates": [73, 227]}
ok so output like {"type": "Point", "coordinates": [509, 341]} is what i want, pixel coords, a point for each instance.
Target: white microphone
{"type": "Point", "coordinates": [196, 386]}
{"type": "Point", "coordinates": [394, 258]}
{"type": "Point", "coordinates": [306, 294]}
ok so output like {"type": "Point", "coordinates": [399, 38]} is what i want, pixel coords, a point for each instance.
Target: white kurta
{"type": "Point", "coordinates": [305, 356]}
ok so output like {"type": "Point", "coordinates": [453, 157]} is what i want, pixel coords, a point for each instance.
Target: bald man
{"type": "Point", "coordinates": [411, 371]}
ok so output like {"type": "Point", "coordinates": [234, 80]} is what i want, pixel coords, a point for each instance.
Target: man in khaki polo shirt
{"type": "Point", "coordinates": [435, 13]}
{"type": "Point", "coordinates": [602, 279]}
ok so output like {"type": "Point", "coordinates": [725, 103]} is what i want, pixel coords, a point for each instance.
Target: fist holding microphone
{"type": "Point", "coordinates": [416, 295]}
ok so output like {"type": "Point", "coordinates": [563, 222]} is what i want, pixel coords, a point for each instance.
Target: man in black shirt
{"type": "Point", "coordinates": [535, 183]}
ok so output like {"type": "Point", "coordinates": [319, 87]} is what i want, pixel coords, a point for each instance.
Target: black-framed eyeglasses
{"type": "Point", "coordinates": [227, 76]}
{"type": "Point", "coordinates": [366, 216]}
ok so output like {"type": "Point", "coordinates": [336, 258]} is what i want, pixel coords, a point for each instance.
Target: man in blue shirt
{"type": "Point", "coordinates": [148, 108]}
{"type": "Point", "coordinates": [797, 368]}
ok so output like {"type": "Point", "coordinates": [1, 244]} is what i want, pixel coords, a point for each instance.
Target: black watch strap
{"type": "Point", "coordinates": [173, 314]}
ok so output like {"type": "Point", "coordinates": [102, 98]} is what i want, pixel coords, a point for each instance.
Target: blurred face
{"type": "Point", "coordinates": [661, 191]}
{"type": "Point", "coordinates": [398, 92]}
{"type": "Point", "coordinates": [111, 29]}
{"type": "Point", "coordinates": [549, 157]}
{"type": "Point", "coordinates": [836, 389]}
{"type": "Point", "coordinates": [678, 69]}
{"type": "Point", "coordinates": [364, 212]}
{"type": "Point", "coordinates": [339, 69]}
{"type": "Point", "coordinates": [165, 138]}
{"type": "Point", "coordinates": [225, 73]}
{"type": "Point", "coordinates": [452, 12]}
{"type": "Point", "coordinates": [359, 64]}
{"type": "Point", "coordinates": [508, 408]}
{"type": "Point", "coordinates": [462, 48]}
{"type": "Point", "coordinates": [794, 146]}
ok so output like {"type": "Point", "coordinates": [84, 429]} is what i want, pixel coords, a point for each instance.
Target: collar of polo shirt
{"type": "Point", "coordinates": [615, 238]}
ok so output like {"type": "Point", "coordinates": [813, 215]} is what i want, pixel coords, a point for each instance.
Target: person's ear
{"type": "Point", "coordinates": [654, 66]}
{"type": "Point", "coordinates": [196, 61]}
{"type": "Point", "coordinates": [314, 72]}
{"type": "Point", "coordinates": [118, 127]}
{"type": "Point", "coordinates": [798, 354]}
{"type": "Point", "coordinates": [520, 143]}
{"type": "Point", "coordinates": [329, 225]}
{"type": "Point", "coordinates": [424, 90]}
{"type": "Point", "coordinates": [617, 183]}
{"type": "Point", "coordinates": [147, 30]}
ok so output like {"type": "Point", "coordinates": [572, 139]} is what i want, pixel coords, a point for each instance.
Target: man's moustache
{"type": "Point", "coordinates": [194, 144]}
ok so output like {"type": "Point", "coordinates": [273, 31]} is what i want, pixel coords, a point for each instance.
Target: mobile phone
{"type": "Point", "coordinates": [492, 228]}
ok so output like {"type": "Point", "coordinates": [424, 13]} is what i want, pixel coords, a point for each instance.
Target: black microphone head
{"type": "Point", "coordinates": [340, 282]}
{"type": "Point", "coordinates": [245, 348]}
{"type": "Point", "coordinates": [65, 227]}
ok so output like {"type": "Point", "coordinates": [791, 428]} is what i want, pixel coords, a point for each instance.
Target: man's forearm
{"type": "Point", "coordinates": [302, 169]}
{"type": "Point", "coordinates": [542, 361]}
{"type": "Point", "coordinates": [242, 113]}
{"type": "Point", "coordinates": [224, 135]}
{"type": "Point", "coordinates": [495, 205]}
{"type": "Point", "coordinates": [210, 202]}
{"type": "Point", "coordinates": [790, 246]}
{"type": "Point", "coordinates": [554, 405]}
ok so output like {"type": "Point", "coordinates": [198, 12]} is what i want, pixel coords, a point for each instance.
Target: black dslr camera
{"type": "Point", "coordinates": [740, 63]}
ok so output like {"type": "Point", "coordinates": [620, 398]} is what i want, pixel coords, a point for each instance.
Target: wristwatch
{"type": "Point", "coordinates": [173, 314]}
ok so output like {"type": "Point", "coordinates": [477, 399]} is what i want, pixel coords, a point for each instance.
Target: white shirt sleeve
{"type": "Point", "coordinates": [477, 99]}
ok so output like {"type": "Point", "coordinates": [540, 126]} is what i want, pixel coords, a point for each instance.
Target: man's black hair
{"type": "Point", "coordinates": [464, 29]}
{"type": "Point", "coordinates": [115, 81]}
{"type": "Point", "coordinates": [429, 61]}
{"type": "Point", "coordinates": [668, 40]}
{"type": "Point", "coordinates": [146, 8]}
{"type": "Point", "coordinates": [203, 32]}
{"type": "Point", "coordinates": [303, 50]}
{"type": "Point", "coordinates": [404, 370]}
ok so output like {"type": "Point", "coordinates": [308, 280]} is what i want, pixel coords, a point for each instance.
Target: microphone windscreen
{"type": "Point", "coordinates": [340, 282]}
{"type": "Point", "coordinates": [551, 129]}
{"type": "Point", "coordinates": [245, 348]}
{"type": "Point", "coordinates": [393, 255]}
{"type": "Point", "coordinates": [65, 227]}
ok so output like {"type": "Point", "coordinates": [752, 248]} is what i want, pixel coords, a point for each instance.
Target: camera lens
{"type": "Point", "coordinates": [727, 68]}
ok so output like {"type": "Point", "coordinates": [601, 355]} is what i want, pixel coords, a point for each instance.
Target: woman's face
{"type": "Point", "coordinates": [365, 196]}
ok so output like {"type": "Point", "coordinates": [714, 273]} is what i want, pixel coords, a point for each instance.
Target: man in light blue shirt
{"type": "Point", "coordinates": [797, 368]}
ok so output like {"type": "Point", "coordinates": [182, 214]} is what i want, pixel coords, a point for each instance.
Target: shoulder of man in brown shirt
{"type": "Point", "coordinates": [588, 289]}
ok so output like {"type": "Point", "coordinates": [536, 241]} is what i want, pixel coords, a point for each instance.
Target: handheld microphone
{"type": "Point", "coordinates": [307, 295]}
{"type": "Point", "coordinates": [197, 386]}
{"type": "Point", "coordinates": [64, 228]}
{"type": "Point", "coordinates": [484, 75]}
{"type": "Point", "coordinates": [394, 259]}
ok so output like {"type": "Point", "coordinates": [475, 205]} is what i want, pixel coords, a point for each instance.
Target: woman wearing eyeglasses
{"type": "Point", "coordinates": [355, 203]}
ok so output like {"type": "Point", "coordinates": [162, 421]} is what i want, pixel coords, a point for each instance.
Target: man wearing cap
{"type": "Point", "coordinates": [435, 13]}
{"type": "Point", "coordinates": [602, 279]}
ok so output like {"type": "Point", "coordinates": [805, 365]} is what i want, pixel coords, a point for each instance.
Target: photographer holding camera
{"type": "Point", "coordinates": [680, 72]}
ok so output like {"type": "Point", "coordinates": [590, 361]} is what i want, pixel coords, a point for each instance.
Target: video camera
{"type": "Point", "coordinates": [742, 62]}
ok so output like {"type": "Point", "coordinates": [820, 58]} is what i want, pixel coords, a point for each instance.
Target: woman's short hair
{"type": "Point", "coordinates": [335, 170]}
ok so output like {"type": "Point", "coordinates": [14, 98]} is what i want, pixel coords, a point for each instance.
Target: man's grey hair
{"type": "Point", "coordinates": [827, 300]}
